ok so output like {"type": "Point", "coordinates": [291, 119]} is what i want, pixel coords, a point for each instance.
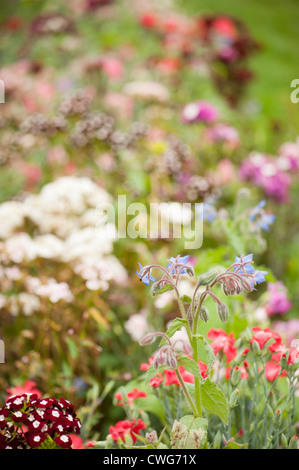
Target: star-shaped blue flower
{"type": "Point", "coordinates": [145, 278]}
{"type": "Point", "coordinates": [180, 260]}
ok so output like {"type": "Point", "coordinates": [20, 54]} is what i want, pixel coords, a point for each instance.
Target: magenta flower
{"type": "Point", "coordinates": [278, 303]}
{"type": "Point", "coordinates": [200, 111]}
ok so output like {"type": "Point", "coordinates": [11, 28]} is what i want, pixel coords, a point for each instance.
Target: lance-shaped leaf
{"type": "Point", "coordinates": [160, 287]}
{"type": "Point", "coordinates": [209, 350]}
{"type": "Point", "coordinates": [190, 366]}
{"type": "Point", "coordinates": [176, 325]}
{"type": "Point", "coordinates": [214, 399]}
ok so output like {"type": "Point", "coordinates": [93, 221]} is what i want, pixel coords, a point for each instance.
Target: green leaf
{"type": "Point", "coordinates": [151, 404]}
{"type": "Point", "coordinates": [156, 290]}
{"type": "Point", "coordinates": [209, 350]}
{"type": "Point", "coordinates": [214, 399]}
{"type": "Point", "coordinates": [194, 423]}
{"type": "Point", "coordinates": [189, 433]}
{"type": "Point", "coordinates": [176, 325]}
{"type": "Point", "coordinates": [234, 445]}
{"type": "Point", "coordinates": [186, 298]}
{"type": "Point", "coordinates": [190, 366]}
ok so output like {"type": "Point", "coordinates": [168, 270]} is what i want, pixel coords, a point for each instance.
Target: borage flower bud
{"type": "Point", "coordinates": [206, 279]}
{"type": "Point", "coordinates": [147, 339]}
{"type": "Point", "coordinates": [222, 311]}
{"type": "Point", "coordinates": [246, 284]}
{"type": "Point", "coordinates": [204, 314]}
{"type": "Point", "coordinates": [165, 355]}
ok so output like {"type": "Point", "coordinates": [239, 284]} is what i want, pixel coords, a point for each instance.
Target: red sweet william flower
{"type": "Point", "coordinates": [145, 366]}
{"type": "Point", "coordinates": [126, 427]}
{"type": "Point", "coordinates": [263, 336]}
{"type": "Point", "coordinates": [149, 20]}
{"type": "Point", "coordinates": [156, 381]}
{"type": "Point", "coordinates": [223, 341]}
{"type": "Point", "coordinates": [135, 393]}
{"type": "Point", "coordinates": [272, 370]}
{"type": "Point", "coordinates": [225, 26]}
{"type": "Point", "coordinates": [28, 387]}
{"type": "Point", "coordinates": [77, 441]}
{"type": "Point", "coordinates": [63, 441]}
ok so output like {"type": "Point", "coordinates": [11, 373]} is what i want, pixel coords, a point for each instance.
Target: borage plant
{"type": "Point", "coordinates": [236, 398]}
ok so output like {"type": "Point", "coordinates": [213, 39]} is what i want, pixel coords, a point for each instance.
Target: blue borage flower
{"type": "Point", "coordinates": [180, 260]}
{"type": "Point", "coordinates": [244, 267]}
{"type": "Point", "coordinates": [144, 275]}
{"type": "Point", "coordinates": [260, 217]}
{"type": "Point", "coordinates": [209, 212]}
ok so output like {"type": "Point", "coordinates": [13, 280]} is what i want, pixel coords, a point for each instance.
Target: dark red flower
{"type": "Point", "coordinates": [35, 439]}
{"type": "Point", "coordinates": [64, 441]}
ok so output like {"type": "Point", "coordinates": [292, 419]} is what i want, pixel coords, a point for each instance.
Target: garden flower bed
{"type": "Point", "coordinates": [148, 227]}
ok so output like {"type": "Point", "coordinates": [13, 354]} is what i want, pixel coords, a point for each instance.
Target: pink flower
{"type": "Point", "coordinates": [224, 133]}
{"type": "Point", "coordinates": [272, 370]}
{"type": "Point", "coordinates": [278, 303]}
{"type": "Point", "coordinates": [28, 387]}
{"type": "Point", "coordinates": [222, 341]}
{"type": "Point", "coordinates": [200, 111]}
{"type": "Point", "coordinates": [77, 441]}
{"type": "Point", "coordinates": [135, 393]}
{"type": "Point", "coordinates": [126, 427]}
{"type": "Point", "coordinates": [113, 68]}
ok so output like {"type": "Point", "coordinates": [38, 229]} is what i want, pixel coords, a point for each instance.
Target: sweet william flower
{"type": "Point", "coordinates": [28, 387]}
{"type": "Point", "coordinates": [126, 427]}
{"type": "Point", "coordinates": [223, 342]}
{"type": "Point", "coordinates": [131, 396]}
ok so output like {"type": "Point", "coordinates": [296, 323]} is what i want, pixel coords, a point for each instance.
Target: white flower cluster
{"type": "Point", "coordinates": [65, 226]}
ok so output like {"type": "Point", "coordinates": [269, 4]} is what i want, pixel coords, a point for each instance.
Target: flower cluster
{"type": "Point", "coordinates": [130, 397]}
{"type": "Point", "coordinates": [272, 174]}
{"type": "Point", "coordinates": [170, 375]}
{"type": "Point", "coordinates": [124, 429]}
{"type": "Point", "coordinates": [225, 38]}
{"type": "Point", "coordinates": [27, 421]}
{"type": "Point", "coordinates": [266, 342]}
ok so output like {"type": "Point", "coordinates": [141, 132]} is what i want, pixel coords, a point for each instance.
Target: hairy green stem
{"type": "Point", "coordinates": [187, 394]}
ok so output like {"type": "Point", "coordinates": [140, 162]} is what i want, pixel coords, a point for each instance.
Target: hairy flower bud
{"type": "Point", "coordinates": [165, 355]}
{"type": "Point", "coordinates": [206, 279]}
{"type": "Point", "coordinates": [222, 311]}
{"type": "Point", "coordinates": [204, 314]}
{"type": "Point", "coordinates": [147, 339]}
